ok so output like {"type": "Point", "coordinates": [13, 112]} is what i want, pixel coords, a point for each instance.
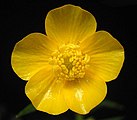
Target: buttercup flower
{"type": "Point", "coordinates": [69, 66]}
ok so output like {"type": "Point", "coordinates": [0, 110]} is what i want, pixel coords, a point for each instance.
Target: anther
{"type": "Point", "coordinates": [71, 62]}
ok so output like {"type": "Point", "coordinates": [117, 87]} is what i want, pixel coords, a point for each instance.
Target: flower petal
{"type": "Point", "coordinates": [106, 55]}
{"type": "Point", "coordinates": [45, 92]}
{"type": "Point", "coordinates": [31, 54]}
{"type": "Point", "coordinates": [69, 24]}
{"type": "Point", "coordinates": [83, 95]}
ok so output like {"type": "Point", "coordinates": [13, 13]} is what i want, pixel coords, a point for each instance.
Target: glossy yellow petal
{"type": "Point", "coordinates": [69, 24]}
{"type": "Point", "coordinates": [45, 92]}
{"type": "Point", "coordinates": [31, 54]}
{"type": "Point", "coordinates": [83, 95]}
{"type": "Point", "coordinates": [106, 55]}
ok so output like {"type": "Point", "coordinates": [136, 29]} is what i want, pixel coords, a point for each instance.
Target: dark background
{"type": "Point", "coordinates": [19, 18]}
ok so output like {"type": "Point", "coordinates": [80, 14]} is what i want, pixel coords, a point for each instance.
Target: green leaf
{"type": "Point", "coordinates": [28, 109]}
{"type": "Point", "coordinates": [90, 118]}
{"type": "Point", "coordinates": [79, 117]}
{"type": "Point", "coordinates": [114, 118]}
{"type": "Point", "coordinates": [112, 105]}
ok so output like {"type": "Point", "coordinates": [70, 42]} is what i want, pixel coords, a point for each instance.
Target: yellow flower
{"type": "Point", "coordinates": [68, 68]}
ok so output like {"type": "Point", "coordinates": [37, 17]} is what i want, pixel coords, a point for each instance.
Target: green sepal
{"type": "Point", "coordinates": [28, 109]}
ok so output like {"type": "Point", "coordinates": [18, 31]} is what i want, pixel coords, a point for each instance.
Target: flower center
{"type": "Point", "coordinates": [70, 62]}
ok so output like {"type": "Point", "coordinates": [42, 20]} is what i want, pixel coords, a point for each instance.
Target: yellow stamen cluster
{"type": "Point", "coordinates": [70, 62]}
